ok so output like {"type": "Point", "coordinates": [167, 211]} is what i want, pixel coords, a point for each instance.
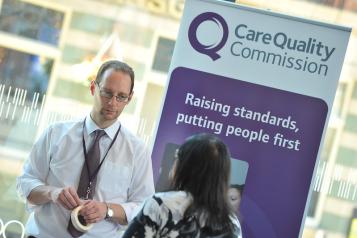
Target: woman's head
{"type": "Point", "coordinates": [202, 165]}
{"type": "Point", "coordinates": [203, 169]}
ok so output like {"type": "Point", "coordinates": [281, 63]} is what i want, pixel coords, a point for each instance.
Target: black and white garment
{"type": "Point", "coordinates": [163, 216]}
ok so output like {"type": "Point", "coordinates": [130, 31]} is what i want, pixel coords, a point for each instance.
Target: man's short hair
{"type": "Point", "coordinates": [115, 65]}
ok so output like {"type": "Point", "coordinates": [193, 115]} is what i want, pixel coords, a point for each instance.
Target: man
{"type": "Point", "coordinates": [235, 193]}
{"type": "Point", "coordinates": [59, 174]}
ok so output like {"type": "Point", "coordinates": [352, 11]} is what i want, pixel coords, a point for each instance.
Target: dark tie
{"type": "Point", "coordinates": [93, 158]}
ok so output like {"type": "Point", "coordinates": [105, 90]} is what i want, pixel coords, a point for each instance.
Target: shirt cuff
{"type": "Point", "coordinates": [131, 209]}
{"type": "Point", "coordinates": [25, 192]}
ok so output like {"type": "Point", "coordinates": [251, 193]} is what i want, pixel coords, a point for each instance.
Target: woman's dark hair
{"type": "Point", "coordinates": [203, 169]}
{"type": "Point", "coordinates": [115, 65]}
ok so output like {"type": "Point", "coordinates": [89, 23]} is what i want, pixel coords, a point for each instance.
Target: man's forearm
{"type": "Point", "coordinates": [42, 194]}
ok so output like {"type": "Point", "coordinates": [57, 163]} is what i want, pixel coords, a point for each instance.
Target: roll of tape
{"type": "Point", "coordinates": [76, 223]}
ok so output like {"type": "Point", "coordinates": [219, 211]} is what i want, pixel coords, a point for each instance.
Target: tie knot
{"type": "Point", "coordinates": [99, 134]}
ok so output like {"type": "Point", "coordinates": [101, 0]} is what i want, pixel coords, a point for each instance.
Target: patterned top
{"type": "Point", "coordinates": [163, 216]}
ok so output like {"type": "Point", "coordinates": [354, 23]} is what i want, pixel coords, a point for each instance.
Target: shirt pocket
{"type": "Point", "coordinates": [115, 180]}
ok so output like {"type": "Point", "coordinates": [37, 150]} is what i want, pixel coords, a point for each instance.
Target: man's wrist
{"type": "Point", "coordinates": [110, 212]}
{"type": "Point", "coordinates": [53, 194]}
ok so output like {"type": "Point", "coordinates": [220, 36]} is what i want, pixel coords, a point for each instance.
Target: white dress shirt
{"type": "Point", "coordinates": [57, 159]}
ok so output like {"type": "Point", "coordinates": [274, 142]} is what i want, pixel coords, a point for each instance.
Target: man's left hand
{"type": "Point", "coordinates": [93, 211]}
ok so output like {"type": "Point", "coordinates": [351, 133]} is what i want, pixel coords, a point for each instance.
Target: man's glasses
{"type": "Point", "coordinates": [109, 95]}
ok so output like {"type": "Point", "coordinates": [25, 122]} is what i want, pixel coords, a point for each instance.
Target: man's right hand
{"type": "Point", "coordinates": [68, 198]}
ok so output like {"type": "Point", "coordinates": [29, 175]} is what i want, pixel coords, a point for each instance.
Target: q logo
{"type": "Point", "coordinates": [212, 49]}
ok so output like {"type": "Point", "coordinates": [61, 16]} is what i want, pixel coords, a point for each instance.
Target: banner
{"type": "Point", "coordinates": [264, 83]}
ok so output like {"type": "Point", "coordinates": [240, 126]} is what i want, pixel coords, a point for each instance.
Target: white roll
{"type": "Point", "coordinates": [76, 223]}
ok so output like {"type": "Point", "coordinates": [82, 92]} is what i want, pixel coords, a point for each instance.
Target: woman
{"type": "Point", "coordinates": [198, 204]}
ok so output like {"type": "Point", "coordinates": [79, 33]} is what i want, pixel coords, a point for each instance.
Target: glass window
{"type": "Point", "coordinates": [91, 23]}
{"type": "Point", "coordinates": [341, 4]}
{"type": "Point", "coordinates": [31, 21]}
{"type": "Point", "coordinates": [163, 54]}
{"type": "Point", "coordinates": [23, 82]}
{"type": "Point", "coordinates": [339, 101]}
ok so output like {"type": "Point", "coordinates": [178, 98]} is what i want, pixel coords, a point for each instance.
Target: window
{"type": "Point", "coordinates": [31, 21]}
{"type": "Point", "coordinates": [164, 51]}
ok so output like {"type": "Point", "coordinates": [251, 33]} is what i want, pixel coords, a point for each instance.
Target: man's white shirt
{"type": "Point", "coordinates": [57, 159]}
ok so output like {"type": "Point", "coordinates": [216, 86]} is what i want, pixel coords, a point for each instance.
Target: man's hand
{"type": "Point", "coordinates": [68, 198]}
{"type": "Point", "coordinates": [93, 211]}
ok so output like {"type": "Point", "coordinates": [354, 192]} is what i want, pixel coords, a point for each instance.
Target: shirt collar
{"type": "Point", "coordinates": [110, 131]}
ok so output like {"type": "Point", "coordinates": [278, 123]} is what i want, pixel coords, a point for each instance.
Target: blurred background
{"type": "Point", "coordinates": [50, 50]}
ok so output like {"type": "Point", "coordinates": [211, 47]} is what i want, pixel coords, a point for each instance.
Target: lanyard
{"type": "Point", "coordinates": [92, 176]}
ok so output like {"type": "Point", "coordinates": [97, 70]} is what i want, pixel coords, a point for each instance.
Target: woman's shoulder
{"type": "Point", "coordinates": [173, 195]}
{"type": "Point", "coordinates": [172, 199]}
{"type": "Point", "coordinates": [161, 204]}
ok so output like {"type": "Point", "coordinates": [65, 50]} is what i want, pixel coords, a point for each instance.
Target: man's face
{"type": "Point", "coordinates": [114, 83]}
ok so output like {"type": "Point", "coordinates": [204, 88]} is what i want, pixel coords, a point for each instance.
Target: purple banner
{"type": "Point", "coordinates": [276, 132]}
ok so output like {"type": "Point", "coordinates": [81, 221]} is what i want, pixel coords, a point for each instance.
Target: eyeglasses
{"type": "Point", "coordinates": [109, 95]}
